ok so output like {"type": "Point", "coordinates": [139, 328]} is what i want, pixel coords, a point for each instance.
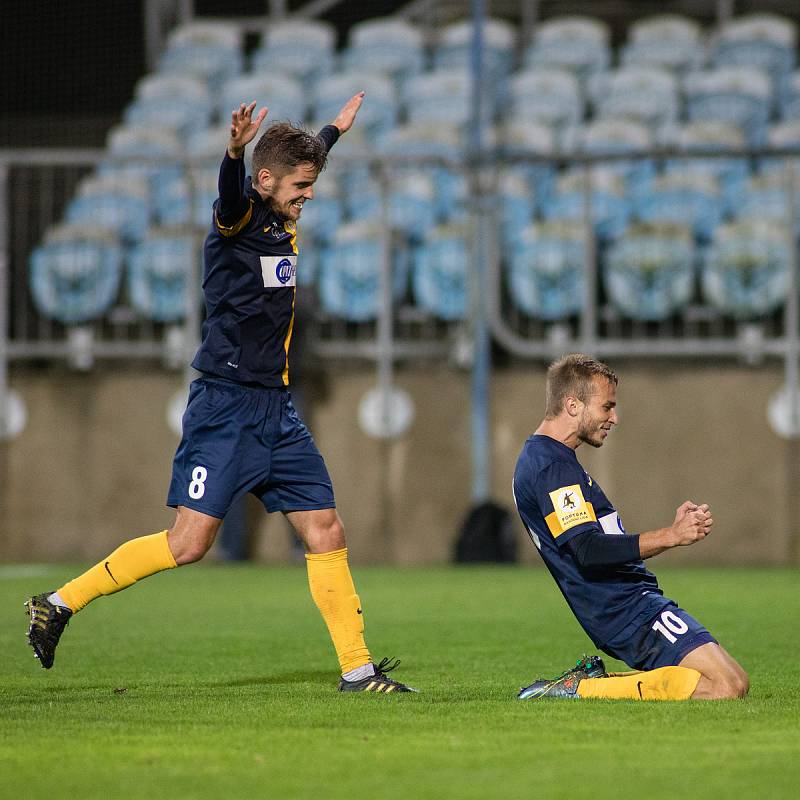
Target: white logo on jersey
{"type": "Point", "coordinates": [610, 523]}
{"type": "Point", "coordinates": [278, 271]}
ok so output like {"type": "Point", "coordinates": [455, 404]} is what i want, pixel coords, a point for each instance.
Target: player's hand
{"type": "Point", "coordinates": [244, 128]}
{"type": "Point", "coordinates": [345, 118]}
{"type": "Point", "coordinates": [692, 523]}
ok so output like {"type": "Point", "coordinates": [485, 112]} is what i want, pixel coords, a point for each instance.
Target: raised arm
{"type": "Point", "coordinates": [232, 206]}
{"type": "Point", "coordinates": [344, 121]}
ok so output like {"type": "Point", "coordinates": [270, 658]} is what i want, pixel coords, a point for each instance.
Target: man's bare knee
{"type": "Point", "coordinates": [191, 536]}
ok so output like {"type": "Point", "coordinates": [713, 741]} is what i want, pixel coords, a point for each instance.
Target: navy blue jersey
{"type": "Point", "coordinates": [557, 500]}
{"type": "Point", "coordinates": [249, 283]}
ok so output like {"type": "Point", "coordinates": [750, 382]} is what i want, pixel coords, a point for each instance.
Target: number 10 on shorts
{"type": "Point", "coordinates": [668, 624]}
{"type": "Point", "coordinates": [197, 487]}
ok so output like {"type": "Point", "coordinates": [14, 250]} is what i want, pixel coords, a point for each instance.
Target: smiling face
{"type": "Point", "coordinates": [287, 193]}
{"type": "Point", "coordinates": [598, 413]}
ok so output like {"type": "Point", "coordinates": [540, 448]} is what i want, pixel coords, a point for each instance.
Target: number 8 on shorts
{"type": "Point", "coordinates": [197, 488]}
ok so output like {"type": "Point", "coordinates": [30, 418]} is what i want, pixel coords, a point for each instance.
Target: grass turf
{"type": "Point", "coordinates": [219, 681]}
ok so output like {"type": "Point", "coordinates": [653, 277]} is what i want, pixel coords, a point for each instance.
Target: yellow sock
{"type": "Point", "coordinates": [666, 683]}
{"type": "Point", "coordinates": [129, 563]}
{"type": "Point", "coordinates": [335, 595]}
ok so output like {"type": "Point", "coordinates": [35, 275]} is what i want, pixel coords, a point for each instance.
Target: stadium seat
{"type": "Point", "coordinates": [765, 197]}
{"type": "Point", "coordinates": [687, 198]}
{"type": "Point", "coordinates": [579, 44]}
{"type": "Point", "coordinates": [670, 41]}
{"type": "Point", "coordinates": [618, 137]}
{"type": "Point", "coordinates": [210, 51]}
{"type": "Point", "coordinates": [740, 96]}
{"type": "Point", "coordinates": [516, 203]}
{"type": "Point", "coordinates": [441, 97]}
{"type": "Point", "coordinates": [143, 152]}
{"type": "Point", "coordinates": [159, 270]}
{"type": "Point", "coordinates": [649, 271]}
{"type": "Point", "coordinates": [112, 203]}
{"type": "Point", "coordinates": [280, 93]}
{"type": "Point", "coordinates": [376, 116]}
{"type": "Point", "coordinates": [440, 277]}
{"type": "Point", "coordinates": [765, 41]}
{"type": "Point", "coordinates": [350, 272]}
{"type": "Point", "coordinates": [453, 48]}
{"type": "Point", "coordinates": [519, 138]}
{"type": "Point", "coordinates": [550, 96]}
{"type": "Point", "coordinates": [283, 41]}
{"type": "Point", "coordinates": [545, 270]}
{"type": "Point", "coordinates": [782, 135]}
{"type": "Point", "coordinates": [610, 208]}
{"type": "Point", "coordinates": [729, 173]}
{"type": "Point", "coordinates": [75, 273]}
{"type": "Point", "coordinates": [387, 45]}
{"type": "Point", "coordinates": [178, 103]}
{"type": "Point", "coordinates": [648, 95]}
{"type": "Point", "coordinates": [745, 272]}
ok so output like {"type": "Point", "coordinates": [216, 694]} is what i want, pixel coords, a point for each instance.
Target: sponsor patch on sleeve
{"type": "Point", "coordinates": [569, 509]}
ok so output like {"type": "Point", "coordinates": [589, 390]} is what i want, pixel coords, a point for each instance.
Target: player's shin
{"type": "Point", "coordinates": [665, 683]}
{"type": "Point", "coordinates": [335, 595]}
{"type": "Point", "coordinates": [132, 561]}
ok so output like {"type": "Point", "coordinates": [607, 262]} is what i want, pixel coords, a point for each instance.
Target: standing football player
{"type": "Point", "coordinates": [240, 431]}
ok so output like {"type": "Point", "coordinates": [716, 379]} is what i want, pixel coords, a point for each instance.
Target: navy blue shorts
{"type": "Point", "coordinates": [238, 439]}
{"type": "Point", "coordinates": [663, 642]}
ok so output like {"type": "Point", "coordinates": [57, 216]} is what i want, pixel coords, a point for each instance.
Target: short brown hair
{"type": "Point", "coordinates": [284, 146]}
{"type": "Point", "coordinates": [572, 376]}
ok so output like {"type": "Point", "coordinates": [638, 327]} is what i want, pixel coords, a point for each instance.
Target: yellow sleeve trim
{"type": "Point", "coordinates": [232, 230]}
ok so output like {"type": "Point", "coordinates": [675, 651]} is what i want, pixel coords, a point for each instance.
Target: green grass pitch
{"type": "Point", "coordinates": [220, 682]}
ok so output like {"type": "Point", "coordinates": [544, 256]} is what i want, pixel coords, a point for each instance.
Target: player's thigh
{"type": "Point", "coordinates": [717, 665]}
{"type": "Point", "coordinates": [320, 530]}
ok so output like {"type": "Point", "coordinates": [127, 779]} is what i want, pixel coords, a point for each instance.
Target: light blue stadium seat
{"type": "Point", "coordinates": [175, 102]}
{"type": "Point", "coordinates": [765, 41]}
{"type": "Point", "coordinates": [420, 140]}
{"type": "Point", "coordinates": [618, 137]}
{"type": "Point", "coordinates": [580, 44]}
{"type": "Point", "coordinates": [521, 137]}
{"type": "Point", "coordinates": [516, 204]}
{"type": "Point", "coordinates": [550, 96]}
{"type": "Point", "coordinates": [740, 96]}
{"type": "Point", "coordinates": [545, 270]}
{"type": "Point", "coordinates": [782, 135]}
{"type": "Point", "coordinates": [670, 41]}
{"type": "Point", "coordinates": [283, 43]}
{"type": "Point", "coordinates": [453, 48]}
{"type": "Point", "coordinates": [765, 197]}
{"type": "Point", "coordinates": [387, 45]}
{"type": "Point", "coordinates": [210, 51]}
{"type": "Point", "coordinates": [187, 199]}
{"type": "Point", "coordinates": [648, 95]}
{"type": "Point", "coordinates": [688, 198]}
{"type": "Point", "coordinates": [350, 272]}
{"type": "Point", "coordinates": [442, 97]}
{"type": "Point", "coordinates": [745, 272]}
{"type": "Point", "coordinates": [142, 152]}
{"type": "Point", "coordinates": [376, 116]}
{"type": "Point", "coordinates": [280, 93]}
{"type": "Point", "coordinates": [75, 273]}
{"type": "Point", "coordinates": [159, 270]}
{"type": "Point", "coordinates": [649, 271]}
{"type": "Point", "coordinates": [119, 205]}
{"type": "Point", "coordinates": [440, 278]}
{"type": "Point", "coordinates": [730, 173]}
{"type": "Point", "coordinates": [610, 207]}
